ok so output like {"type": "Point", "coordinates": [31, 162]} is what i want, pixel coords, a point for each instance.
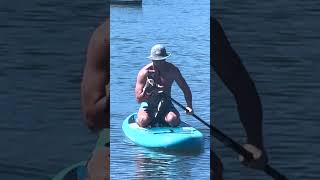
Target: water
{"type": "Point", "coordinates": [184, 28]}
{"type": "Point", "coordinates": [42, 52]}
{"type": "Point", "coordinates": [278, 42]}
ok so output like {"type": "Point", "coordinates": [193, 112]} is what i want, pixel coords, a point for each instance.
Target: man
{"type": "Point", "coordinates": [95, 99]}
{"type": "Point", "coordinates": [228, 66]}
{"type": "Point", "coordinates": [153, 79]}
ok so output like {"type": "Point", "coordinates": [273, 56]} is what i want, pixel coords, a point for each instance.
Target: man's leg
{"type": "Point", "coordinates": [173, 117]}
{"type": "Point", "coordinates": [98, 165]}
{"type": "Point", "coordinates": [144, 117]}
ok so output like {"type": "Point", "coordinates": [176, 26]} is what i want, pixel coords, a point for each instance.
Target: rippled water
{"type": "Point", "coordinates": [183, 26]}
{"type": "Point", "coordinates": [42, 52]}
{"type": "Point", "coordinates": [278, 42]}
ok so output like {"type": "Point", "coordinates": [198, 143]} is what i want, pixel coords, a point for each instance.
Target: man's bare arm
{"type": "Point", "coordinates": [227, 64]}
{"type": "Point", "coordinates": [93, 92]}
{"type": "Point", "coordinates": [139, 92]}
{"type": "Point", "coordinates": [184, 87]}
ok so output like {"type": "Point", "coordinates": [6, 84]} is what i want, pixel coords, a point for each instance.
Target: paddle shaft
{"type": "Point", "coordinates": [233, 145]}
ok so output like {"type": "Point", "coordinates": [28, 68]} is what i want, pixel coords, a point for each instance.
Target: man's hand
{"type": "Point", "coordinates": [151, 87]}
{"type": "Point", "coordinates": [150, 72]}
{"type": "Point", "coordinates": [259, 156]}
{"type": "Point", "coordinates": [189, 110]}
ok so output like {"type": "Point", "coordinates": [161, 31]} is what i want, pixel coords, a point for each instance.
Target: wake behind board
{"type": "Point", "coordinates": [181, 138]}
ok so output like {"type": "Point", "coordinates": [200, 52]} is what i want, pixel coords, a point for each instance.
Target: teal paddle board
{"type": "Point", "coordinates": [181, 138]}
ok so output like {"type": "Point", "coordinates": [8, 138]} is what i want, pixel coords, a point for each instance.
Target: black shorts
{"type": "Point", "coordinates": [158, 113]}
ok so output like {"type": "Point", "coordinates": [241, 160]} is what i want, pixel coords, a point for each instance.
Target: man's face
{"type": "Point", "coordinates": [158, 62]}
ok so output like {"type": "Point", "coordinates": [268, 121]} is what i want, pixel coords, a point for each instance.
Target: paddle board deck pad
{"type": "Point", "coordinates": [78, 171]}
{"type": "Point", "coordinates": [181, 138]}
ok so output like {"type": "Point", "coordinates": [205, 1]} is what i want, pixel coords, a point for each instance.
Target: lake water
{"type": "Point", "coordinates": [183, 26]}
{"type": "Point", "coordinates": [278, 42]}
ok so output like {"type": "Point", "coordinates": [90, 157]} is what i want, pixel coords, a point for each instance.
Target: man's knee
{"type": "Point", "coordinates": [172, 119]}
{"type": "Point", "coordinates": [98, 165]}
{"type": "Point", "coordinates": [143, 120]}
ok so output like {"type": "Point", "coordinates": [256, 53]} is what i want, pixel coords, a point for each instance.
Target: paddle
{"type": "Point", "coordinates": [232, 144]}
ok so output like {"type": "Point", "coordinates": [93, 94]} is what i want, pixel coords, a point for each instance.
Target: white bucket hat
{"type": "Point", "coordinates": [158, 52]}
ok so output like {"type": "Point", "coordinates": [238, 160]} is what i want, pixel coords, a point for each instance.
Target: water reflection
{"type": "Point", "coordinates": [151, 164]}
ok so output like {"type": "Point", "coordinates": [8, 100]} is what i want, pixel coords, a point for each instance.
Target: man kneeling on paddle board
{"type": "Point", "coordinates": [153, 79]}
